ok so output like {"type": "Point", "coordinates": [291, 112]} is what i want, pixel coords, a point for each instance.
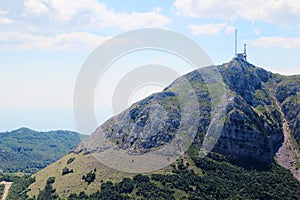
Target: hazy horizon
{"type": "Point", "coordinates": [43, 45]}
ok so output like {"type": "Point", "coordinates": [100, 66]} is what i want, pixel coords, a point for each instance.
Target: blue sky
{"type": "Point", "coordinates": [43, 44]}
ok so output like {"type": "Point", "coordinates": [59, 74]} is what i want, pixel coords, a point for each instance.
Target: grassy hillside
{"type": "Point", "coordinates": [81, 165]}
{"type": "Point", "coordinates": [27, 151]}
{"type": "Point", "coordinates": [72, 182]}
{"type": "Point", "coordinates": [214, 177]}
{"type": "Point", "coordinates": [221, 180]}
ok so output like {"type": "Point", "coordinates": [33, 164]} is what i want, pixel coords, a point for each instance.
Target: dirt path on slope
{"type": "Point", "coordinates": [288, 156]}
{"type": "Point", "coordinates": [6, 188]}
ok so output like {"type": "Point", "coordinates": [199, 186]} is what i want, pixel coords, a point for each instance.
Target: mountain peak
{"type": "Point", "coordinates": [23, 130]}
{"type": "Point", "coordinates": [259, 104]}
{"type": "Point", "coordinates": [248, 131]}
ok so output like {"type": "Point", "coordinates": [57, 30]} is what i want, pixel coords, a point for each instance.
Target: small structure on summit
{"type": "Point", "coordinates": [240, 56]}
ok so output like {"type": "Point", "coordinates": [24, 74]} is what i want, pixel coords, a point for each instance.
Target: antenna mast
{"type": "Point", "coordinates": [245, 53]}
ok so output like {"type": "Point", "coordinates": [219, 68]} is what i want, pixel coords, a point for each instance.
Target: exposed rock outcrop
{"type": "Point", "coordinates": [252, 124]}
{"type": "Point", "coordinates": [287, 91]}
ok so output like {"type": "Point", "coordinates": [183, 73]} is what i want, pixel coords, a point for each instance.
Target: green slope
{"type": "Point", "coordinates": [213, 177]}
{"type": "Point", "coordinates": [27, 151]}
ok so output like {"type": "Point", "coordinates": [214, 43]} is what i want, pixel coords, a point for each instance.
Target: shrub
{"type": "Point", "coordinates": [66, 170]}
{"type": "Point", "coordinates": [89, 177]}
{"type": "Point", "coordinates": [70, 160]}
{"type": "Point", "coordinates": [125, 186]}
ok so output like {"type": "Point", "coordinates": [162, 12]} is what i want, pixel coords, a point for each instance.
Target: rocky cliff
{"type": "Point", "coordinates": [252, 121]}
{"type": "Point", "coordinates": [287, 91]}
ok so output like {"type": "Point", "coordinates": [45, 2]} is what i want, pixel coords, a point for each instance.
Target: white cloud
{"type": "Point", "coordinates": [135, 20]}
{"type": "Point", "coordinates": [69, 24]}
{"type": "Point", "coordinates": [157, 9]}
{"type": "Point", "coordinates": [286, 70]}
{"type": "Point", "coordinates": [271, 11]}
{"type": "Point", "coordinates": [35, 7]}
{"type": "Point", "coordinates": [229, 29]}
{"type": "Point", "coordinates": [210, 29]}
{"type": "Point", "coordinates": [283, 42]}
{"type": "Point", "coordinates": [93, 14]}
{"type": "Point", "coordinates": [6, 20]}
{"type": "Point", "coordinates": [256, 31]}
{"type": "Point", "coordinates": [67, 41]}
{"type": "Point", "coordinates": [4, 12]}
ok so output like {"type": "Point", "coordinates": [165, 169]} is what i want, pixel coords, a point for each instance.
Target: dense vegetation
{"type": "Point", "coordinates": [221, 179]}
{"type": "Point", "coordinates": [49, 191]}
{"type": "Point", "coordinates": [27, 151]}
{"type": "Point", "coordinates": [1, 190]}
{"type": "Point", "coordinates": [19, 187]}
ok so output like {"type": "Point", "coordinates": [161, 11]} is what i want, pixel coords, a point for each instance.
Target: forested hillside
{"type": "Point", "coordinates": [27, 151]}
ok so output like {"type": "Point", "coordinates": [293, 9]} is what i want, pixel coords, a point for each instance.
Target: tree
{"type": "Point", "coordinates": [49, 191]}
{"type": "Point", "coordinates": [125, 186]}
{"type": "Point", "coordinates": [89, 177]}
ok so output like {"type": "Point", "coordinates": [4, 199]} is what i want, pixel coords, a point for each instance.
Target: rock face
{"type": "Point", "coordinates": [252, 124]}
{"type": "Point", "coordinates": [287, 91]}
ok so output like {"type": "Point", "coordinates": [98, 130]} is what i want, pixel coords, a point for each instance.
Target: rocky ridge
{"type": "Point", "coordinates": [252, 125]}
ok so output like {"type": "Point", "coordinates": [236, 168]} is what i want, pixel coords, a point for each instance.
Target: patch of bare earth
{"type": "Point", "coordinates": [288, 156]}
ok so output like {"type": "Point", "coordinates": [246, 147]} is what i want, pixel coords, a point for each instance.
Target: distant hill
{"type": "Point", "coordinates": [261, 119]}
{"type": "Point", "coordinates": [28, 151]}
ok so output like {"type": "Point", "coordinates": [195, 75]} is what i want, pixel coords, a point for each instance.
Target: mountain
{"type": "Point", "coordinates": [28, 151]}
{"type": "Point", "coordinates": [259, 130]}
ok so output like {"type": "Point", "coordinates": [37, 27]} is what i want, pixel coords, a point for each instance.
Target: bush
{"type": "Point", "coordinates": [49, 191]}
{"type": "Point", "coordinates": [50, 180]}
{"type": "Point", "coordinates": [70, 160]}
{"type": "Point", "coordinates": [140, 178]}
{"type": "Point", "coordinates": [66, 170]}
{"type": "Point", "coordinates": [89, 177]}
{"type": "Point", "coordinates": [125, 186]}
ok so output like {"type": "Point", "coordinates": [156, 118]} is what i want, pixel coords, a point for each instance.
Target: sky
{"type": "Point", "coordinates": [44, 43]}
